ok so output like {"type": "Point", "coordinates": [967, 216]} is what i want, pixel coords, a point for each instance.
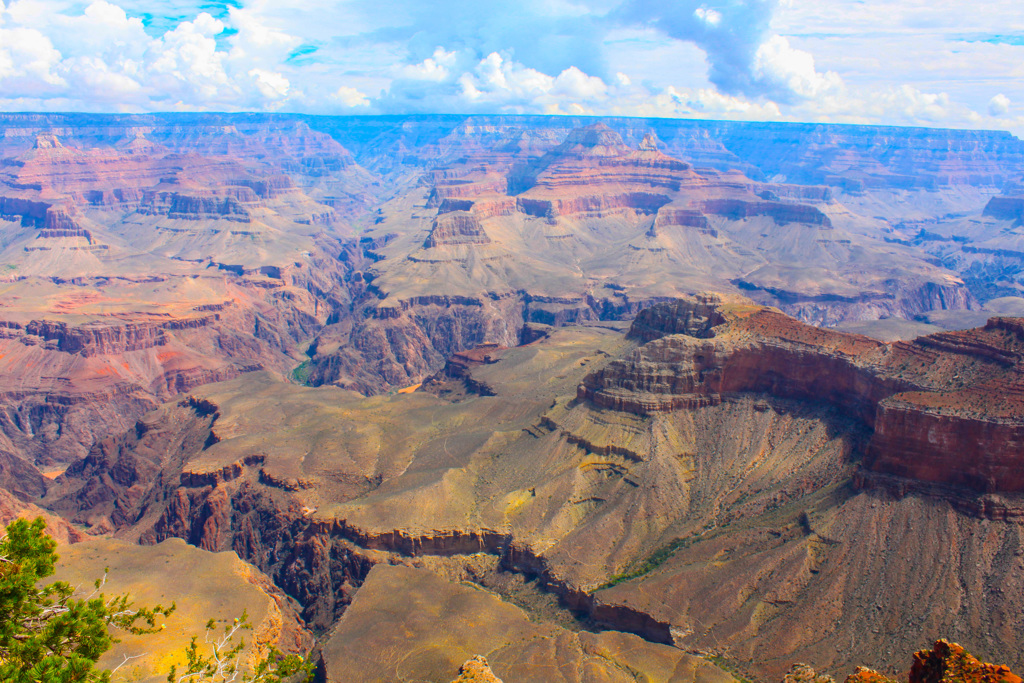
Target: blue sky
{"type": "Point", "coordinates": [935, 63]}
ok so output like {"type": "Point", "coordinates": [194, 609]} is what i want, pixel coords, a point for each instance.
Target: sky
{"type": "Point", "coordinates": [943, 63]}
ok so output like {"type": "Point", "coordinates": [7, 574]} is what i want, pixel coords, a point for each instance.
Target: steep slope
{"type": "Point", "coordinates": [397, 611]}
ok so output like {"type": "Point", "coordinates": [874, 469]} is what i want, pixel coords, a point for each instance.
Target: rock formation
{"type": "Point", "coordinates": [506, 227]}
{"type": "Point", "coordinates": [546, 220]}
{"type": "Point", "coordinates": [476, 670]}
{"type": "Point", "coordinates": [949, 663]}
{"type": "Point", "coordinates": [728, 505]}
{"type": "Point", "coordinates": [946, 662]}
{"type": "Point", "coordinates": [723, 478]}
{"type": "Point", "coordinates": [944, 408]}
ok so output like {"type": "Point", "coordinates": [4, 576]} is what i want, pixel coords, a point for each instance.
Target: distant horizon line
{"type": "Point", "coordinates": [295, 114]}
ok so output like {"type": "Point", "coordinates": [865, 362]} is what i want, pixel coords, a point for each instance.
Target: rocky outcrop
{"type": "Point", "coordinates": [804, 673]}
{"type": "Point", "coordinates": [1005, 208]}
{"type": "Point", "coordinates": [946, 662]}
{"type": "Point", "coordinates": [594, 206]}
{"type": "Point", "coordinates": [98, 339]}
{"type": "Point", "coordinates": [945, 409]}
{"type": "Point", "coordinates": [26, 211]}
{"type": "Point", "coordinates": [460, 189]}
{"type": "Point", "coordinates": [949, 663]}
{"type": "Point", "coordinates": [94, 340]}
{"type": "Point", "coordinates": [980, 454]}
{"type": "Point", "coordinates": [695, 317]}
{"type": "Point", "coordinates": [684, 218]}
{"type": "Point", "coordinates": [57, 528]}
{"type": "Point", "coordinates": [266, 188]}
{"type": "Point", "coordinates": [123, 476]}
{"type": "Point", "coordinates": [864, 675]}
{"type": "Point", "coordinates": [782, 213]}
{"type": "Point", "coordinates": [232, 205]}
{"type": "Point", "coordinates": [459, 368]}
{"type": "Point", "coordinates": [595, 155]}
{"type": "Point", "coordinates": [404, 342]}
{"type": "Point", "coordinates": [456, 228]}
{"type": "Point", "coordinates": [476, 670]}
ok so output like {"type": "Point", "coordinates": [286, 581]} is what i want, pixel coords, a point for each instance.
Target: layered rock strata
{"type": "Point", "coordinates": [734, 528]}
{"type": "Point", "coordinates": [945, 409]}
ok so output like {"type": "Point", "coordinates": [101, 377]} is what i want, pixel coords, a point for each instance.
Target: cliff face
{"type": "Point", "coordinates": [452, 228]}
{"type": "Point", "coordinates": [945, 409]}
{"type": "Point", "coordinates": [852, 158]}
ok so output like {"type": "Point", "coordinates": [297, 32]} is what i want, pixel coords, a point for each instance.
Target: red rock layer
{"type": "Point", "coordinates": [946, 409]}
{"type": "Point", "coordinates": [683, 218]}
{"type": "Point", "coordinates": [457, 227]}
{"type": "Point", "coordinates": [949, 663]}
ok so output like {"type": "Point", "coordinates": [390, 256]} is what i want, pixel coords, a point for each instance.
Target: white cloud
{"type": "Point", "coordinates": [351, 97]}
{"type": "Point", "coordinates": [574, 84]}
{"type": "Point", "coordinates": [271, 85]}
{"type": "Point", "coordinates": [257, 41]}
{"type": "Point", "coordinates": [743, 59]}
{"type": "Point", "coordinates": [792, 71]}
{"type": "Point", "coordinates": [28, 61]}
{"type": "Point", "coordinates": [705, 102]}
{"type": "Point", "coordinates": [185, 64]}
{"type": "Point", "coordinates": [708, 16]}
{"type": "Point", "coordinates": [999, 105]}
{"type": "Point", "coordinates": [914, 105]}
{"type": "Point", "coordinates": [435, 68]}
{"type": "Point", "coordinates": [498, 80]}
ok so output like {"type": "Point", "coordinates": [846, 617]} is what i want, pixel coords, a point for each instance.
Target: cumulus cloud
{"type": "Point", "coordinates": [999, 105]}
{"type": "Point", "coordinates": [351, 97]}
{"type": "Point", "coordinates": [434, 68]}
{"type": "Point", "coordinates": [742, 59]}
{"type": "Point", "coordinates": [28, 63]}
{"type": "Point", "coordinates": [271, 84]}
{"type": "Point", "coordinates": [791, 73]}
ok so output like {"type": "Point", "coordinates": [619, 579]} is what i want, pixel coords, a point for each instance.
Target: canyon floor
{"type": "Point", "coordinates": [599, 400]}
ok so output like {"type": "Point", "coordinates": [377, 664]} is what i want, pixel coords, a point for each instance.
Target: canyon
{"type": "Point", "coordinates": [619, 397]}
{"type": "Point", "coordinates": [588, 471]}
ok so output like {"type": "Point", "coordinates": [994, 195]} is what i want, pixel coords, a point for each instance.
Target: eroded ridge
{"type": "Point", "coordinates": [944, 409]}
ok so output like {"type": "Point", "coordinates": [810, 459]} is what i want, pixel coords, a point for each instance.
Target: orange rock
{"type": "Point", "coordinates": [476, 670]}
{"type": "Point", "coordinates": [803, 673]}
{"type": "Point", "coordinates": [948, 662]}
{"type": "Point", "coordinates": [864, 675]}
